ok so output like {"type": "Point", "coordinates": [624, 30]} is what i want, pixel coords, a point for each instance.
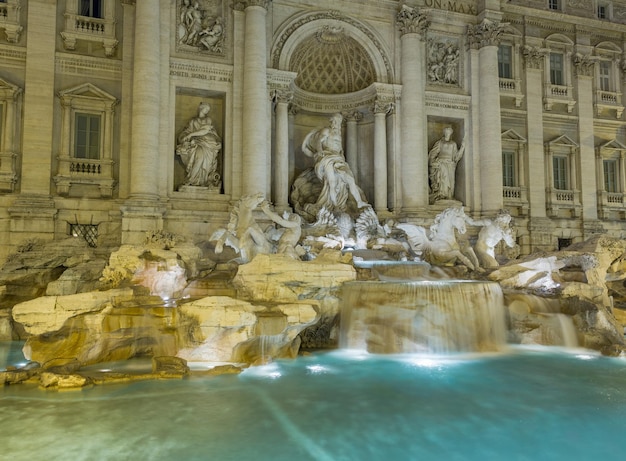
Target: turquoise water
{"type": "Point", "coordinates": [525, 404]}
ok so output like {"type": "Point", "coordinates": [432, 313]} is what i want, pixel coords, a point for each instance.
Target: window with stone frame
{"type": "Point", "coordinates": [607, 91]}
{"type": "Point", "coordinates": [564, 195]}
{"type": "Point", "coordinates": [9, 129]}
{"type": "Point", "coordinates": [505, 61]}
{"type": "Point", "coordinates": [560, 172]}
{"type": "Point", "coordinates": [558, 74]}
{"type": "Point", "coordinates": [610, 175]}
{"type": "Point", "coordinates": [556, 69]}
{"type": "Point", "coordinates": [86, 150]}
{"type": "Point", "coordinates": [611, 181]}
{"type": "Point", "coordinates": [554, 5]}
{"type": "Point", "coordinates": [87, 135]}
{"type": "Point", "coordinates": [604, 76]}
{"type": "Point", "coordinates": [509, 176]}
{"type": "Point", "coordinates": [90, 8]}
{"type": "Point", "coordinates": [604, 10]}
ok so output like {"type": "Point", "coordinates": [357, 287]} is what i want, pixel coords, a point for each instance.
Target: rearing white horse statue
{"type": "Point", "coordinates": [439, 245]}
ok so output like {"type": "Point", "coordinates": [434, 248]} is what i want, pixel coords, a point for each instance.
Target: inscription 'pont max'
{"type": "Point", "coordinates": [454, 6]}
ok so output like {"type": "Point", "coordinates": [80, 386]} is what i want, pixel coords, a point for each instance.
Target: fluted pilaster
{"type": "Point", "coordinates": [413, 25]}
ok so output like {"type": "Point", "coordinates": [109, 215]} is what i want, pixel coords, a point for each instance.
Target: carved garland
{"type": "Point", "coordinates": [332, 14]}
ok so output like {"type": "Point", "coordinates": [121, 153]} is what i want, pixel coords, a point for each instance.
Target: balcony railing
{"type": "Point", "coordinates": [513, 88]}
{"type": "Point", "coordinates": [74, 171]}
{"type": "Point", "coordinates": [564, 200]}
{"type": "Point", "coordinates": [558, 94]}
{"type": "Point", "coordinates": [610, 100]}
{"type": "Point", "coordinates": [99, 30]}
{"type": "Point", "coordinates": [10, 20]}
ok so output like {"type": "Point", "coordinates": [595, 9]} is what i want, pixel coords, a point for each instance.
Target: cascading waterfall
{"type": "Point", "coordinates": [422, 316]}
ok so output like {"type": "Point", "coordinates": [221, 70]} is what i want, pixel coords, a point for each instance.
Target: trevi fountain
{"type": "Point", "coordinates": [322, 332]}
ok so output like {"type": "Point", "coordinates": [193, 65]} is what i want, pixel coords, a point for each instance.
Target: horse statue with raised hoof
{"type": "Point", "coordinates": [439, 245]}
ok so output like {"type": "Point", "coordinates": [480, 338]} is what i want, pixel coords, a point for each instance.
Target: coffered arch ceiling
{"type": "Point", "coordinates": [331, 53]}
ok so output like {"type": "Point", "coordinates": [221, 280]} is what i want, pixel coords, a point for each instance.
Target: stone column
{"type": "Point", "coordinates": [143, 212]}
{"type": "Point", "coordinates": [380, 109]}
{"type": "Point", "coordinates": [352, 155]}
{"type": "Point", "coordinates": [540, 227]}
{"type": "Point", "coordinates": [146, 101]}
{"type": "Point", "coordinates": [281, 159]}
{"type": "Point", "coordinates": [414, 150]}
{"type": "Point", "coordinates": [584, 67]}
{"type": "Point", "coordinates": [255, 122]}
{"type": "Point", "coordinates": [486, 37]}
{"type": "Point", "coordinates": [33, 211]}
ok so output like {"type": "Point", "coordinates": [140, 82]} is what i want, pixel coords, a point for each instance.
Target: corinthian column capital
{"type": "Point", "coordinates": [243, 4]}
{"type": "Point", "coordinates": [485, 34]}
{"type": "Point", "coordinates": [410, 21]}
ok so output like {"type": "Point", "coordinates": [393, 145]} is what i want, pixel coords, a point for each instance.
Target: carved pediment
{"type": "Point", "coordinates": [512, 135]}
{"type": "Point", "coordinates": [87, 90]}
{"type": "Point", "coordinates": [613, 145]}
{"type": "Point", "coordinates": [562, 141]}
{"type": "Point", "coordinates": [8, 90]}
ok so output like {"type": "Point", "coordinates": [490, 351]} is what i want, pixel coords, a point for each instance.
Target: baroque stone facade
{"type": "Point", "coordinates": [94, 96]}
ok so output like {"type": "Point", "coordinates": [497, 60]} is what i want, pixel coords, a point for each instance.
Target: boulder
{"type": "Point", "coordinates": [224, 329]}
{"type": "Point", "coordinates": [278, 278]}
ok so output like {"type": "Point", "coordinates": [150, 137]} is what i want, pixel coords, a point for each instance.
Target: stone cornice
{"type": "Point", "coordinates": [411, 21]}
{"type": "Point", "coordinates": [73, 64]}
{"type": "Point", "coordinates": [447, 101]}
{"type": "Point", "coordinates": [128, 2]}
{"type": "Point", "coordinates": [487, 33]}
{"type": "Point", "coordinates": [12, 56]}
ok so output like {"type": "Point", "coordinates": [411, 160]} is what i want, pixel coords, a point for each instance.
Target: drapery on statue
{"type": "Point", "coordinates": [324, 145]}
{"type": "Point", "coordinates": [198, 147]}
{"type": "Point", "coordinates": [442, 161]}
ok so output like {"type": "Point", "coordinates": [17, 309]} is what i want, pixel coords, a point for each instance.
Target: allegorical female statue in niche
{"type": "Point", "coordinates": [442, 160]}
{"type": "Point", "coordinates": [198, 148]}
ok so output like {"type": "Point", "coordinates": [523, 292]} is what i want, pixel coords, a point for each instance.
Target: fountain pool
{"type": "Point", "coordinates": [520, 404]}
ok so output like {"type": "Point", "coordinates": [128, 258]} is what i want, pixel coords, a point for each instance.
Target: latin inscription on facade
{"type": "Point", "coordinates": [452, 5]}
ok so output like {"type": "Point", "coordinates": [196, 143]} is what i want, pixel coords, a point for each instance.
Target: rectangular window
{"type": "Point", "coordinates": [87, 138]}
{"type": "Point", "coordinates": [504, 61]}
{"type": "Point", "coordinates": [602, 13]}
{"type": "Point", "coordinates": [610, 175]}
{"type": "Point", "coordinates": [556, 69]}
{"type": "Point", "coordinates": [554, 5]}
{"type": "Point", "coordinates": [91, 8]}
{"type": "Point", "coordinates": [508, 169]}
{"type": "Point", "coordinates": [559, 171]}
{"type": "Point", "coordinates": [605, 75]}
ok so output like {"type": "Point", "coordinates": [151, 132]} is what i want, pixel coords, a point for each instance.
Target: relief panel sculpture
{"type": "Point", "coordinates": [201, 25]}
{"type": "Point", "coordinates": [443, 61]}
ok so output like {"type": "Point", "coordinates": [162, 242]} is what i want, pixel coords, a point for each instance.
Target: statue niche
{"type": "Point", "coordinates": [330, 184]}
{"type": "Point", "coordinates": [443, 158]}
{"type": "Point", "coordinates": [198, 148]}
